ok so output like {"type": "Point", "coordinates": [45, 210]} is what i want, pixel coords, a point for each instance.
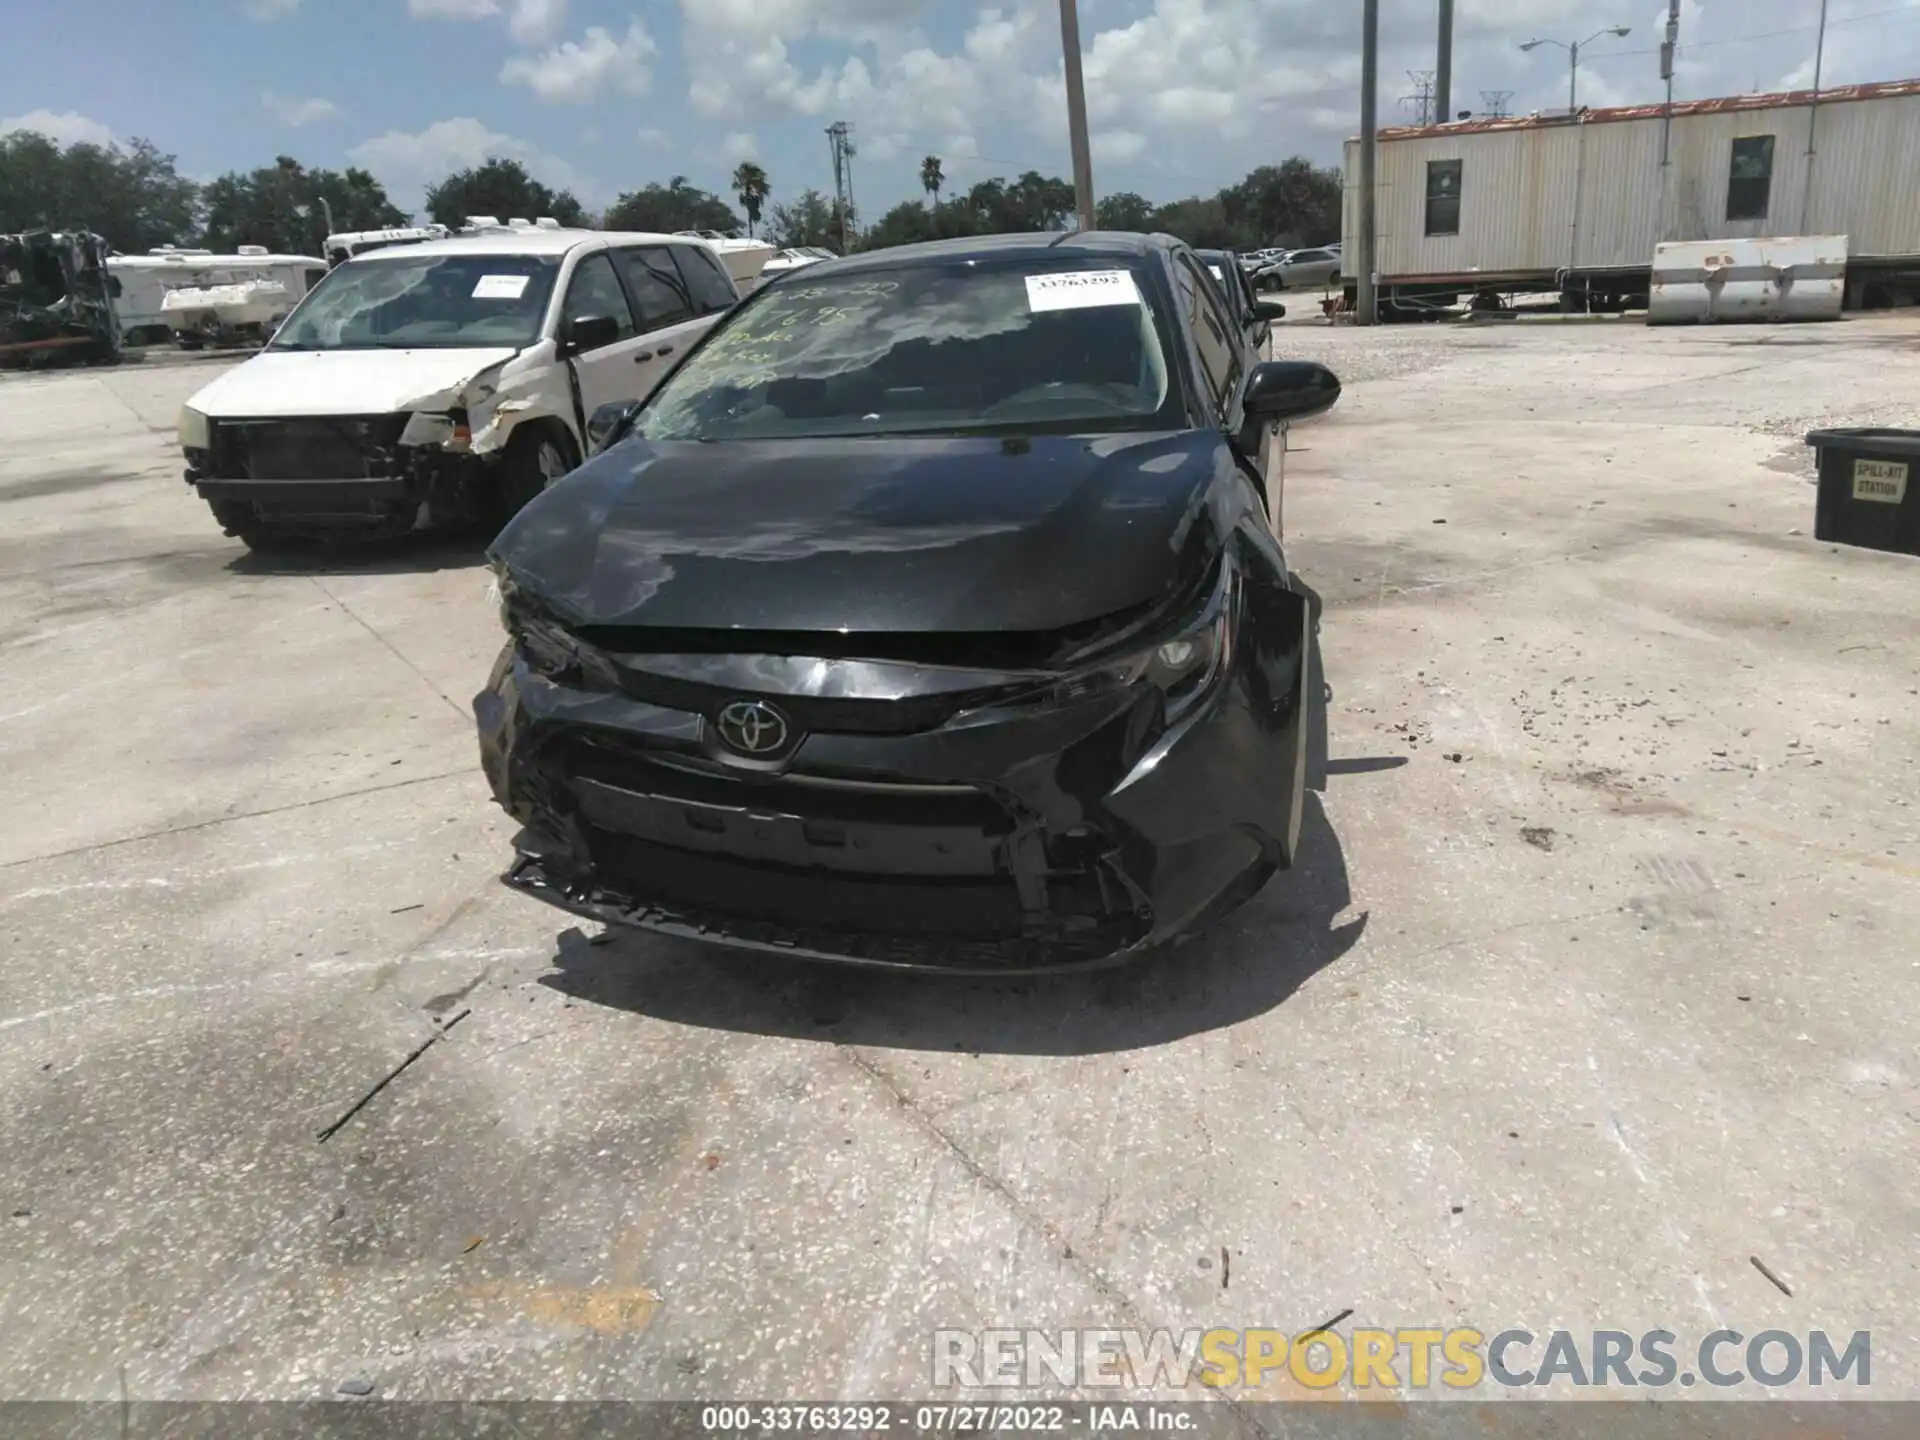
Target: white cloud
{"type": "Point", "coordinates": [452, 9]}
{"type": "Point", "coordinates": [407, 163]}
{"type": "Point", "coordinates": [65, 127]}
{"type": "Point", "coordinates": [269, 9]}
{"type": "Point", "coordinates": [291, 110]}
{"type": "Point", "coordinates": [653, 137]}
{"type": "Point", "coordinates": [1200, 91]}
{"type": "Point", "coordinates": [535, 21]}
{"type": "Point", "coordinates": [738, 146]}
{"type": "Point", "coordinates": [577, 70]}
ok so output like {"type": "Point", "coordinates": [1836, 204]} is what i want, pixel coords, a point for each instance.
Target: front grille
{"type": "Point", "coordinates": [811, 714]}
{"type": "Point", "coordinates": [322, 448]}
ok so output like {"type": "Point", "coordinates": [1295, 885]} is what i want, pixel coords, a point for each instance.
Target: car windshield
{"type": "Point", "coordinates": [938, 347]}
{"type": "Point", "coordinates": [409, 301]}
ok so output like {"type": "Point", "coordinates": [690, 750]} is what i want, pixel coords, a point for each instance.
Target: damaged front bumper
{"type": "Point", "coordinates": [363, 476]}
{"type": "Point", "coordinates": [998, 838]}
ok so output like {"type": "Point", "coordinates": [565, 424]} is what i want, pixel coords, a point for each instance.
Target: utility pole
{"type": "Point", "coordinates": [1667, 49]}
{"type": "Point", "coordinates": [1422, 97]}
{"type": "Point", "coordinates": [1077, 113]}
{"type": "Point", "coordinates": [1365, 311]}
{"type": "Point", "coordinates": [1813, 114]}
{"type": "Point", "coordinates": [1496, 103]}
{"type": "Point", "coordinates": [1443, 65]}
{"type": "Point", "coordinates": [840, 137]}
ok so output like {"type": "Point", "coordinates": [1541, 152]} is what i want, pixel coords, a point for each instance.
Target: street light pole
{"type": "Point", "coordinates": [1077, 114]}
{"type": "Point", "coordinates": [1573, 57]}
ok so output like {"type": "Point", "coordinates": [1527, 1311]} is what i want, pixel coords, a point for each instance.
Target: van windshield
{"type": "Point", "coordinates": [409, 301]}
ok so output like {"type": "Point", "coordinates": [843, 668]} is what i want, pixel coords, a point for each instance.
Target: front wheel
{"type": "Point", "coordinates": [537, 455]}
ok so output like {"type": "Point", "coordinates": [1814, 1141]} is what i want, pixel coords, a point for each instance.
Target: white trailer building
{"type": "Point", "coordinates": [1577, 203]}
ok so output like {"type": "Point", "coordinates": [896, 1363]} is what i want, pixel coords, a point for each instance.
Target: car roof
{"type": "Point", "coordinates": [1083, 244]}
{"type": "Point", "coordinates": [529, 241]}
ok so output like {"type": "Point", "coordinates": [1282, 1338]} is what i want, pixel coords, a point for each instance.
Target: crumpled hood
{"type": "Point", "coordinates": [888, 534]}
{"type": "Point", "coordinates": [340, 382]}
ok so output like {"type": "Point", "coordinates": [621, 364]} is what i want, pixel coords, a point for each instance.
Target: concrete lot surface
{"type": "Point", "coordinates": [1598, 981]}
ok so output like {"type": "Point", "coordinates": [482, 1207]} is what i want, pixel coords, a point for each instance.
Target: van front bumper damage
{"type": "Point", "coordinates": [345, 477]}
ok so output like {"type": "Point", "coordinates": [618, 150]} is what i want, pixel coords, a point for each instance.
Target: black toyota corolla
{"type": "Point", "coordinates": [928, 614]}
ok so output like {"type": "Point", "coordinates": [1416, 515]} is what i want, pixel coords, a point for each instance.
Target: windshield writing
{"type": "Point", "coordinates": [950, 347]}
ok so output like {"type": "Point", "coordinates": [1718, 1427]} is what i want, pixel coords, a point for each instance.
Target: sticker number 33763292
{"type": "Point", "coordinates": [1081, 289]}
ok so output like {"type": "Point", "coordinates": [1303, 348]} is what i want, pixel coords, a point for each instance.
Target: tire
{"type": "Point", "coordinates": [536, 456]}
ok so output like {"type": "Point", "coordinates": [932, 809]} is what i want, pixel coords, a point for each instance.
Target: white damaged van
{"type": "Point", "coordinates": [443, 382]}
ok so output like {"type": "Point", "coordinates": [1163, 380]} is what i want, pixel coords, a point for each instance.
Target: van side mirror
{"type": "Point", "coordinates": [1269, 310]}
{"type": "Point", "coordinates": [588, 332]}
{"type": "Point", "coordinates": [1289, 390]}
{"type": "Point", "coordinates": [609, 423]}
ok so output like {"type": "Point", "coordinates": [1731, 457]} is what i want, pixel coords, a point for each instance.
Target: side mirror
{"type": "Point", "coordinates": [588, 332]}
{"type": "Point", "coordinates": [1269, 310]}
{"type": "Point", "coordinates": [1279, 390]}
{"type": "Point", "coordinates": [609, 423]}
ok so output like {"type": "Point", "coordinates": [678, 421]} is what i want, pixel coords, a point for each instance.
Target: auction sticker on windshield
{"type": "Point", "coordinates": [1081, 290]}
{"type": "Point", "coordinates": [500, 287]}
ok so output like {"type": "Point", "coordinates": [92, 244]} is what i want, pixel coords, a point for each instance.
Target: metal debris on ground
{"type": "Point", "coordinates": [1778, 1283]}
{"type": "Point", "coordinates": [392, 1075]}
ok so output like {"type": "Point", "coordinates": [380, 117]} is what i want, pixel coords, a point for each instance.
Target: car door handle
{"type": "Point", "coordinates": [664, 351]}
{"type": "Point", "coordinates": [640, 357]}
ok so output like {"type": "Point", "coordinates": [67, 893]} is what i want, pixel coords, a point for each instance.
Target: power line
{"type": "Point", "coordinates": [1496, 103]}
{"type": "Point", "coordinates": [1759, 35]}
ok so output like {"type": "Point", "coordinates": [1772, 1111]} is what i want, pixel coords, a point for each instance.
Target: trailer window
{"type": "Point", "coordinates": [1750, 178]}
{"type": "Point", "coordinates": [1443, 197]}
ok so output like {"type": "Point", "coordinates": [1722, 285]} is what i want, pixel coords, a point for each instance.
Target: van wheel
{"type": "Point", "coordinates": [536, 456]}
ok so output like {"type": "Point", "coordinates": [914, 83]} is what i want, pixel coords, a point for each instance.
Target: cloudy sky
{"type": "Point", "coordinates": [604, 95]}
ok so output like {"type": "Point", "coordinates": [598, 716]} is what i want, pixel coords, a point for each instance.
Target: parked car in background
{"type": "Point", "coordinates": [784, 262]}
{"type": "Point", "coordinates": [1256, 316]}
{"type": "Point", "coordinates": [930, 614]}
{"type": "Point", "coordinates": [1302, 270]}
{"type": "Point", "coordinates": [444, 380]}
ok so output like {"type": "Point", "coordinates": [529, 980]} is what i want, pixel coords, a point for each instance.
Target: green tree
{"type": "Point", "coordinates": [932, 177]}
{"type": "Point", "coordinates": [132, 196]}
{"type": "Point", "coordinates": [1201, 222]}
{"type": "Point", "coordinates": [663, 209]}
{"type": "Point", "coordinates": [288, 208]}
{"type": "Point", "coordinates": [905, 224]}
{"type": "Point", "coordinates": [750, 185]}
{"type": "Point", "coordinates": [1293, 203]}
{"type": "Point", "coordinates": [1124, 211]}
{"type": "Point", "coordinates": [504, 190]}
{"type": "Point", "coordinates": [811, 219]}
{"type": "Point", "coordinates": [1032, 202]}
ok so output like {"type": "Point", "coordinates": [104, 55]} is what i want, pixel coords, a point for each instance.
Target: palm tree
{"type": "Point", "coordinates": [932, 177]}
{"type": "Point", "coordinates": [750, 184]}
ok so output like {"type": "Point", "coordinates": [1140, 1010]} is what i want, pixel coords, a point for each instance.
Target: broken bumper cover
{"type": "Point", "coordinates": [349, 474]}
{"type": "Point", "coordinates": [1003, 841]}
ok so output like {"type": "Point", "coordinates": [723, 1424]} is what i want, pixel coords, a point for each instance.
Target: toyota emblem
{"type": "Point", "coordinates": [753, 727]}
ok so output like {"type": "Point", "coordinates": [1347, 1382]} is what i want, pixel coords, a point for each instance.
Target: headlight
{"type": "Point", "coordinates": [1180, 667]}
{"type": "Point", "coordinates": [545, 645]}
{"type": "Point", "coordinates": [195, 433]}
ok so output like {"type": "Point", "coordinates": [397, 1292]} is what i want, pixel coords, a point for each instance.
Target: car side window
{"type": "Point", "coordinates": [707, 284]}
{"type": "Point", "coordinates": [659, 294]}
{"type": "Point", "coordinates": [1212, 334]}
{"type": "Point", "coordinates": [595, 290]}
